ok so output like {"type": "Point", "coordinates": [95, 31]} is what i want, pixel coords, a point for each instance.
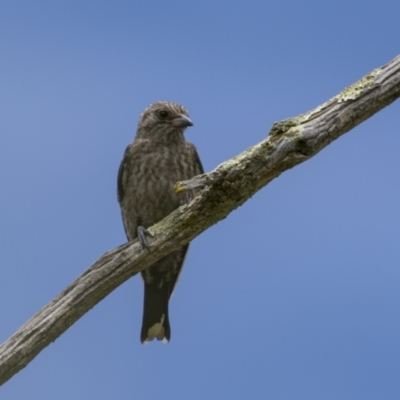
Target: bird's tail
{"type": "Point", "coordinates": [155, 314]}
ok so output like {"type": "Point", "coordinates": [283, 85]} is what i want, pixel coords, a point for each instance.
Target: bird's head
{"type": "Point", "coordinates": [163, 121]}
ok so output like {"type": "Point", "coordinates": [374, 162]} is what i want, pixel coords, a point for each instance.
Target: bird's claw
{"type": "Point", "coordinates": [142, 232]}
{"type": "Point", "coordinates": [189, 198]}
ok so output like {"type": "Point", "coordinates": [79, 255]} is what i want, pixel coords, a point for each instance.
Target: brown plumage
{"type": "Point", "coordinates": [158, 158]}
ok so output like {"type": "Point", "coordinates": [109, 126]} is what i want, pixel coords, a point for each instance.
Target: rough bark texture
{"type": "Point", "coordinates": [289, 143]}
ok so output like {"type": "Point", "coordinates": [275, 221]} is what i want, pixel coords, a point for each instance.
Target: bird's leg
{"type": "Point", "coordinates": [142, 232]}
{"type": "Point", "coordinates": [189, 197]}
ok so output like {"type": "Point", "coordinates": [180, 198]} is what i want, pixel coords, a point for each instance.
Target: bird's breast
{"type": "Point", "coordinates": [153, 177]}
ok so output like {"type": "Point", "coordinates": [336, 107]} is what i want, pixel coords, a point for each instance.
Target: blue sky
{"type": "Point", "coordinates": [296, 294]}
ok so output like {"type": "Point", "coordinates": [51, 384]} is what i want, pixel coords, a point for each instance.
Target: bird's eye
{"type": "Point", "coordinates": [163, 114]}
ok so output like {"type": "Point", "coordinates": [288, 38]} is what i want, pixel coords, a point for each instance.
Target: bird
{"type": "Point", "coordinates": [153, 163]}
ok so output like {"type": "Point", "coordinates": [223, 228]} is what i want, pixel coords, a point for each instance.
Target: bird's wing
{"type": "Point", "coordinates": [183, 251]}
{"type": "Point", "coordinates": [122, 175]}
{"type": "Point", "coordinates": [199, 165]}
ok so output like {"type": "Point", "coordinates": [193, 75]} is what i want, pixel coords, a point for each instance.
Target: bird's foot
{"type": "Point", "coordinates": [142, 232]}
{"type": "Point", "coordinates": [189, 198]}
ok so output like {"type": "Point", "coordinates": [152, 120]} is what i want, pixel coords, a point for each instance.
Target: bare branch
{"type": "Point", "coordinates": [289, 143]}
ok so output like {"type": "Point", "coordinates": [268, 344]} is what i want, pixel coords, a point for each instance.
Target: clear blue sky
{"type": "Point", "coordinates": [296, 294]}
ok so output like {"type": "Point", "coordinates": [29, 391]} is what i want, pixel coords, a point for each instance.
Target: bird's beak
{"type": "Point", "coordinates": [182, 121]}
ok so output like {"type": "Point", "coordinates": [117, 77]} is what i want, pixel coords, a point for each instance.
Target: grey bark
{"type": "Point", "coordinates": [289, 143]}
